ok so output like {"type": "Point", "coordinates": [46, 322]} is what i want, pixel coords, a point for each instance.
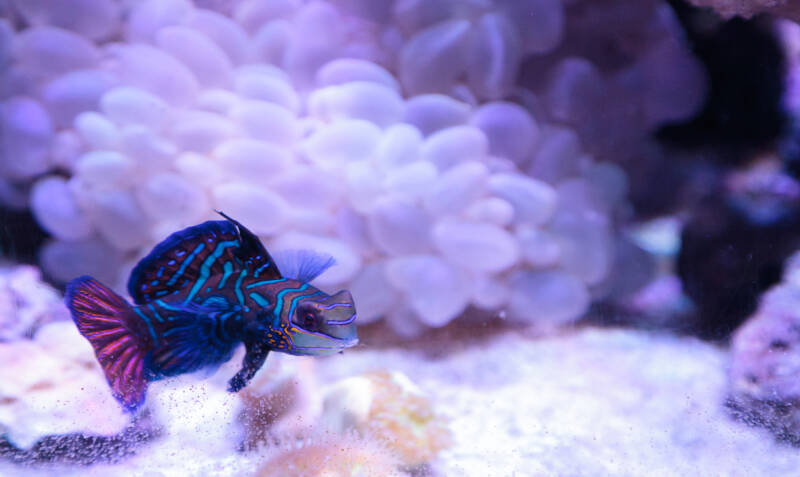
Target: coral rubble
{"type": "Point", "coordinates": [26, 302]}
{"type": "Point", "coordinates": [389, 408]}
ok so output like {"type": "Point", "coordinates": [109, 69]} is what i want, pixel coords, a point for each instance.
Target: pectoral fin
{"type": "Point", "coordinates": [253, 360]}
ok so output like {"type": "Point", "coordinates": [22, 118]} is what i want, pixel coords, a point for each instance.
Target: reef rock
{"type": "Point", "coordinates": [765, 360]}
{"type": "Point", "coordinates": [53, 385]}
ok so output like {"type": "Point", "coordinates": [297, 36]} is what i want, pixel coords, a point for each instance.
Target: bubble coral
{"type": "Point", "coordinates": [388, 407]}
{"type": "Point", "coordinates": [383, 139]}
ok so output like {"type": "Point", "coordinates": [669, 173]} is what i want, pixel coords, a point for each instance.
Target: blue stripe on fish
{"type": "Point", "coordinates": [260, 300]}
{"type": "Point", "coordinates": [264, 282]}
{"type": "Point", "coordinates": [146, 319]}
{"type": "Point", "coordinates": [205, 268]}
{"type": "Point", "coordinates": [238, 289]}
{"type": "Point", "coordinates": [279, 302]}
{"type": "Point", "coordinates": [185, 264]}
{"type": "Point", "coordinates": [227, 270]}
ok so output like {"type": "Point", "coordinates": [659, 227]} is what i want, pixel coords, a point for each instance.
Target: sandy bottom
{"type": "Point", "coordinates": [593, 402]}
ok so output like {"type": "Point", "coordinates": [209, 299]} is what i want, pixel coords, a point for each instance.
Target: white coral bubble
{"type": "Point", "coordinates": [432, 60]}
{"type": "Point", "coordinates": [266, 121]}
{"type": "Point", "coordinates": [149, 16]}
{"type": "Point", "coordinates": [453, 145]}
{"type": "Point", "coordinates": [48, 50]}
{"type": "Point", "coordinates": [126, 105]}
{"type": "Point", "coordinates": [307, 188]}
{"type": "Point", "coordinates": [210, 65]}
{"type": "Point", "coordinates": [436, 291]}
{"type": "Point", "coordinates": [357, 100]}
{"type": "Point", "coordinates": [94, 19]}
{"type": "Point", "coordinates": [540, 248]}
{"type": "Point", "coordinates": [199, 169]}
{"type": "Point", "coordinates": [65, 260]}
{"type": "Point", "coordinates": [151, 69]}
{"type": "Point", "coordinates": [226, 33]}
{"type": "Point", "coordinates": [170, 197]}
{"type": "Point", "coordinates": [75, 92]}
{"type": "Point", "coordinates": [476, 246]}
{"type": "Point", "coordinates": [342, 142]}
{"type": "Point", "coordinates": [27, 132]}
{"type": "Point", "coordinates": [533, 201]}
{"type": "Point", "coordinates": [120, 220]}
{"type": "Point", "coordinates": [200, 131]}
{"type": "Point", "coordinates": [262, 210]}
{"type": "Point", "coordinates": [494, 56]}
{"type": "Point", "coordinates": [493, 210]}
{"type": "Point", "coordinates": [373, 294]}
{"type": "Point", "coordinates": [96, 130]}
{"type": "Point", "coordinates": [458, 187]}
{"type": "Point", "coordinates": [412, 180]}
{"type": "Point", "coordinates": [511, 131]}
{"type": "Point", "coordinates": [346, 70]}
{"type": "Point", "coordinates": [489, 292]}
{"type": "Point", "coordinates": [348, 262]}
{"type": "Point", "coordinates": [399, 227]}
{"type": "Point", "coordinates": [56, 209]}
{"type": "Point", "coordinates": [399, 144]}
{"type": "Point", "coordinates": [267, 87]}
{"type": "Point", "coordinates": [432, 112]}
{"type": "Point", "coordinates": [549, 297]}
{"type": "Point", "coordinates": [109, 168]}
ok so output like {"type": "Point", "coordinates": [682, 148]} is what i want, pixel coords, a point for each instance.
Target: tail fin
{"type": "Point", "coordinates": [112, 327]}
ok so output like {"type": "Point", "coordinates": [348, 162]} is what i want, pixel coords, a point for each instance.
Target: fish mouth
{"type": "Point", "coordinates": [319, 344]}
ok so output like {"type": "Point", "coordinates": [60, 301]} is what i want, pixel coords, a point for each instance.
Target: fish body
{"type": "Point", "coordinates": [197, 295]}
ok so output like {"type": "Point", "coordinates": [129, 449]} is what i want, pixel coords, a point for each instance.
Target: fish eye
{"type": "Point", "coordinates": [308, 320]}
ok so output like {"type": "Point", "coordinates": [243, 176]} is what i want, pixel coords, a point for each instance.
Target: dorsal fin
{"type": "Point", "coordinates": [189, 257]}
{"type": "Point", "coordinates": [303, 265]}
